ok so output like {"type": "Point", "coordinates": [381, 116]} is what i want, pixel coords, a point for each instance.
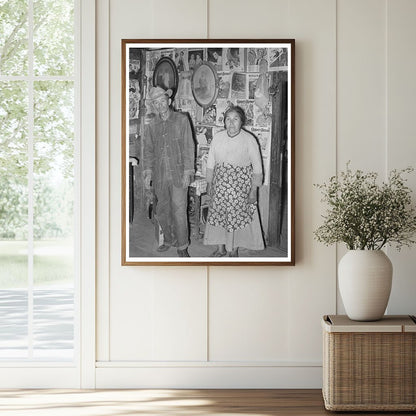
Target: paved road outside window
{"type": "Point", "coordinates": [53, 324]}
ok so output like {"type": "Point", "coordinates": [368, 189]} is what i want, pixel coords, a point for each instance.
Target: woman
{"type": "Point", "coordinates": [234, 173]}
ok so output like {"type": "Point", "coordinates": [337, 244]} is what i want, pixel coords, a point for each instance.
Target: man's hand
{"type": "Point", "coordinates": [133, 161]}
{"type": "Point", "coordinates": [147, 179]}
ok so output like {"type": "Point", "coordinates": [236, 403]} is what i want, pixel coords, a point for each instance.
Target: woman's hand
{"type": "Point", "coordinates": [187, 179]}
{"type": "Point", "coordinates": [252, 196]}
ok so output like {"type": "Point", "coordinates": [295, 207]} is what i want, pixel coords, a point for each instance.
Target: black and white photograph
{"type": "Point", "coordinates": [181, 60]}
{"type": "Point", "coordinates": [239, 85]}
{"type": "Point", "coordinates": [214, 56]}
{"type": "Point", "coordinates": [207, 153]}
{"type": "Point", "coordinates": [224, 85]}
{"type": "Point", "coordinates": [195, 58]}
{"type": "Point", "coordinates": [234, 59]}
{"type": "Point", "coordinates": [277, 59]}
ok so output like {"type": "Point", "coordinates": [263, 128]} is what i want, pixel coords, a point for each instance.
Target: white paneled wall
{"type": "Point", "coordinates": [249, 311]}
{"type": "Point", "coordinates": [361, 88]}
{"type": "Point", "coordinates": [238, 19]}
{"type": "Point", "coordinates": [361, 84]}
{"type": "Point", "coordinates": [164, 315]}
{"type": "Point", "coordinates": [401, 132]}
{"type": "Point", "coordinates": [254, 326]}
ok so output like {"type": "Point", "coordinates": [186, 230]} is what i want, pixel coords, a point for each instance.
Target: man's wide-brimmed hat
{"type": "Point", "coordinates": [156, 92]}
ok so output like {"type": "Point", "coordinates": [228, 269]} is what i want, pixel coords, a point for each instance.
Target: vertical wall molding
{"type": "Point", "coordinates": [207, 19]}
{"type": "Point", "coordinates": [88, 188]}
{"type": "Point", "coordinates": [207, 314]}
{"type": "Point", "coordinates": [401, 133]}
{"type": "Point", "coordinates": [387, 71]}
{"type": "Point", "coordinates": [336, 296]}
{"type": "Point", "coordinates": [103, 179]}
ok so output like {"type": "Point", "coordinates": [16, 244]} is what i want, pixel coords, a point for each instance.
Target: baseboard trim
{"type": "Point", "coordinates": [210, 377]}
{"type": "Point", "coordinates": [204, 364]}
{"type": "Point", "coordinates": [39, 378]}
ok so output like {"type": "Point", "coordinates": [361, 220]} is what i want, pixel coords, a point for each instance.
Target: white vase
{"type": "Point", "coordinates": [364, 278]}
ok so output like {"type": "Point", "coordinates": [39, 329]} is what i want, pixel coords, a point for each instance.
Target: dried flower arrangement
{"type": "Point", "coordinates": [366, 215]}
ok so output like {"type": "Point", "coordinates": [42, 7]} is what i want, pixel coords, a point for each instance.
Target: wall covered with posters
{"type": "Point", "coordinates": [243, 79]}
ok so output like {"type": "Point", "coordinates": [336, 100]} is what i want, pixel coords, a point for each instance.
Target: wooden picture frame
{"type": "Point", "coordinates": [258, 76]}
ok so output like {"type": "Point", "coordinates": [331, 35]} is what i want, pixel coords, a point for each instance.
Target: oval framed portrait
{"type": "Point", "coordinates": [205, 84]}
{"type": "Point", "coordinates": [166, 75]}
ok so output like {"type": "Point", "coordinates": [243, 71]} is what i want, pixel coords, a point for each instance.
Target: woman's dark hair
{"type": "Point", "coordinates": [239, 111]}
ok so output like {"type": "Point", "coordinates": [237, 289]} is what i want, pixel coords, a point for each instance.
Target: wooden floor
{"type": "Point", "coordinates": [165, 402]}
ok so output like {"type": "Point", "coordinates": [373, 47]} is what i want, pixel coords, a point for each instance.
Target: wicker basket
{"type": "Point", "coordinates": [369, 366]}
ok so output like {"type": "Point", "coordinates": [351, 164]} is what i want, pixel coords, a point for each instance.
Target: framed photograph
{"type": "Point", "coordinates": [166, 75]}
{"type": "Point", "coordinates": [208, 157]}
{"type": "Point", "coordinates": [205, 84]}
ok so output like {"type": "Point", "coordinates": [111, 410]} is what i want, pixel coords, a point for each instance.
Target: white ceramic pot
{"type": "Point", "coordinates": [364, 278]}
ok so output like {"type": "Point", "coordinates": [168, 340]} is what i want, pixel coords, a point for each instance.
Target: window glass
{"type": "Point", "coordinates": [53, 37]}
{"type": "Point", "coordinates": [14, 313]}
{"type": "Point", "coordinates": [53, 196]}
{"type": "Point", "coordinates": [13, 161]}
{"type": "Point", "coordinates": [13, 37]}
{"type": "Point", "coordinates": [53, 192]}
{"type": "Point", "coordinates": [53, 322]}
{"type": "Point", "coordinates": [13, 219]}
{"type": "Point", "coordinates": [37, 189]}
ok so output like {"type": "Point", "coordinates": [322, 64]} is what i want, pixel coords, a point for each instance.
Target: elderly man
{"type": "Point", "coordinates": [168, 162]}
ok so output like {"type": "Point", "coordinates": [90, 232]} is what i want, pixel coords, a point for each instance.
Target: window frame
{"type": "Point", "coordinates": [80, 373]}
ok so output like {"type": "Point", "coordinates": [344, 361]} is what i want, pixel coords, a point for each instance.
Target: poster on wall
{"type": "Point", "coordinates": [207, 146]}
